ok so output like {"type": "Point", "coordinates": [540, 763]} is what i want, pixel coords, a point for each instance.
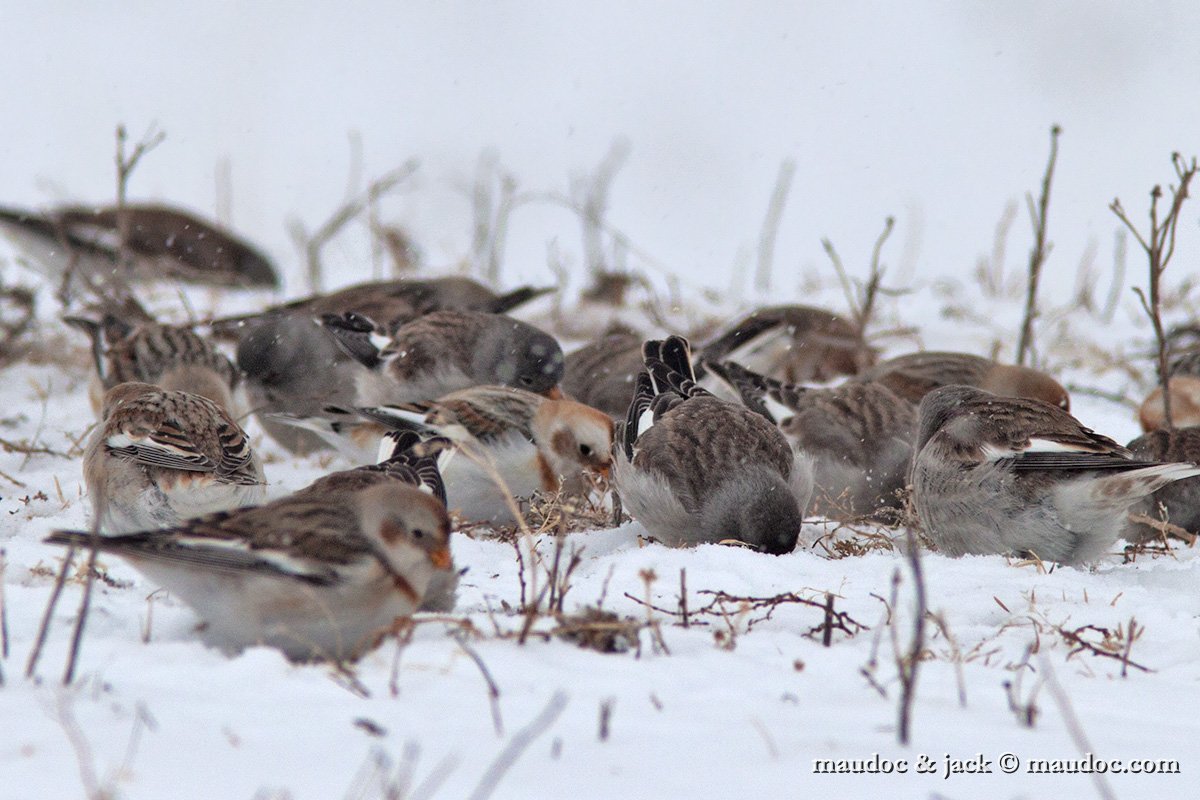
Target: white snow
{"type": "Point", "coordinates": [937, 115]}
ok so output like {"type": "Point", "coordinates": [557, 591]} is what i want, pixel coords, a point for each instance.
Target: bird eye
{"type": "Point", "coordinates": [585, 450]}
{"type": "Point", "coordinates": [526, 380]}
{"type": "Point", "coordinates": [418, 533]}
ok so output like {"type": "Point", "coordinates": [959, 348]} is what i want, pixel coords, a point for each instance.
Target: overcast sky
{"type": "Point", "coordinates": [937, 113]}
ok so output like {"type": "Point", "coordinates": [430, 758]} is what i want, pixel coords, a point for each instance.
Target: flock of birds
{"type": "Point", "coordinates": [448, 404]}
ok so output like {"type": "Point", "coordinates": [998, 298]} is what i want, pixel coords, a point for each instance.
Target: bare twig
{"type": "Point", "coordinates": [84, 757]}
{"type": "Point", "coordinates": [1041, 248]}
{"type": "Point", "coordinates": [85, 604]}
{"type": "Point", "coordinates": [955, 656]}
{"type": "Point", "coordinates": [1118, 282]}
{"type": "Point", "coordinates": [1073, 727]}
{"type": "Point", "coordinates": [493, 690]}
{"type": "Point", "coordinates": [770, 226]}
{"type": "Point", "coordinates": [593, 203]}
{"type": "Point", "coordinates": [125, 167]}
{"type": "Point", "coordinates": [1080, 644]}
{"type": "Point", "coordinates": [861, 297]}
{"type": "Point", "coordinates": [312, 244]}
{"type": "Point", "coordinates": [683, 605]}
{"type": "Point", "coordinates": [3, 606]}
{"type": "Point", "coordinates": [1159, 246]}
{"type": "Point", "coordinates": [827, 626]}
{"type": "Point", "coordinates": [517, 745]}
{"type": "Point", "coordinates": [1025, 709]}
{"type": "Point", "coordinates": [606, 710]}
{"type": "Point", "coordinates": [44, 628]}
{"type": "Point", "coordinates": [908, 665]}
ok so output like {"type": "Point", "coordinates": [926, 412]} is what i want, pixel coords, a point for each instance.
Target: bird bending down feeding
{"type": "Point", "coordinates": [445, 351]}
{"type": "Point", "coordinates": [693, 468]}
{"type": "Point", "coordinates": [527, 441]}
{"type": "Point", "coordinates": [321, 574]}
{"type": "Point", "coordinates": [158, 457]}
{"type": "Point", "coordinates": [858, 435]}
{"type": "Point", "coordinates": [172, 357]}
{"type": "Point", "coordinates": [1009, 475]}
{"type": "Point", "coordinates": [915, 375]}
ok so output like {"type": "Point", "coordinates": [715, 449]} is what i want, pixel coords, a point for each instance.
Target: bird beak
{"type": "Point", "coordinates": [554, 393]}
{"type": "Point", "coordinates": [441, 558]}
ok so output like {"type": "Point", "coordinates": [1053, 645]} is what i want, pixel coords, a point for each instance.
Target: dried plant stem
{"type": "Point", "coordinates": [3, 606]}
{"type": "Point", "coordinates": [683, 600]}
{"type": "Point", "coordinates": [593, 204]}
{"type": "Point", "coordinates": [44, 628]}
{"type": "Point", "coordinates": [1041, 248]}
{"type": "Point", "coordinates": [312, 244]}
{"type": "Point", "coordinates": [460, 637]}
{"type": "Point", "coordinates": [909, 664]}
{"type": "Point", "coordinates": [770, 227]}
{"type": "Point", "coordinates": [861, 301]}
{"type": "Point", "coordinates": [517, 745]}
{"type": "Point", "coordinates": [1159, 246]}
{"type": "Point", "coordinates": [125, 167]}
{"type": "Point", "coordinates": [85, 605]}
{"type": "Point", "coordinates": [1074, 728]}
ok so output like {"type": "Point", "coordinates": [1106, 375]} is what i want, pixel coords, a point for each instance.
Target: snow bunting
{"type": "Point", "coordinates": [1178, 503]}
{"type": "Point", "coordinates": [166, 244]}
{"type": "Point", "coordinates": [602, 373]}
{"type": "Point", "coordinates": [1185, 404]}
{"type": "Point", "coordinates": [390, 303]}
{"type": "Point", "coordinates": [158, 457]}
{"type": "Point", "coordinates": [171, 357]}
{"type": "Point", "coordinates": [694, 468]}
{"type": "Point", "coordinates": [793, 343]}
{"type": "Point", "coordinates": [409, 461]}
{"type": "Point", "coordinates": [317, 575]}
{"type": "Point", "coordinates": [444, 351]}
{"type": "Point", "coordinates": [292, 365]}
{"type": "Point", "coordinates": [1010, 475]}
{"type": "Point", "coordinates": [858, 435]}
{"type": "Point", "coordinates": [914, 375]}
{"type": "Point", "coordinates": [528, 441]}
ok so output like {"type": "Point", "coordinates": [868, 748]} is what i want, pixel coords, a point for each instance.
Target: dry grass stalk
{"type": "Point", "coordinates": [1102, 642]}
{"type": "Point", "coordinates": [1041, 249]}
{"type": "Point", "coordinates": [85, 603]}
{"type": "Point", "coordinates": [517, 745]}
{"type": "Point", "coordinates": [770, 226]}
{"type": "Point", "coordinates": [44, 627]}
{"type": "Point", "coordinates": [1024, 708]}
{"type": "Point", "coordinates": [861, 297]}
{"type": "Point", "coordinates": [311, 245]}
{"type": "Point", "coordinates": [1159, 246]}
{"type": "Point", "coordinates": [1074, 728]}
{"type": "Point", "coordinates": [493, 690]}
{"type": "Point", "coordinates": [908, 664]}
{"type": "Point", "coordinates": [592, 200]}
{"type": "Point", "coordinates": [721, 604]}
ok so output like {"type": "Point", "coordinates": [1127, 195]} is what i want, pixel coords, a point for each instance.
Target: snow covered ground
{"type": "Point", "coordinates": [742, 701]}
{"type": "Point", "coordinates": [938, 117]}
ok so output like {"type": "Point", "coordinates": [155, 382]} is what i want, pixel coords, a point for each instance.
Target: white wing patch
{"type": "Point", "coordinates": [156, 453]}
{"type": "Point", "coordinates": [994, 453]}
{"type": "Point", "coordinates": [645, 422]}
{"type": "Point", "coordinates": [778, 411]}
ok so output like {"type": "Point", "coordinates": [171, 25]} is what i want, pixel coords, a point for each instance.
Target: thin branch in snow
{"type": "Point", "coordinates": [44, 627]}
{"type": "Point", "coordinates": [517, 745]}
{"type": "Point", "coordinates": [1041, 249]}
{"type": "Point", "coordinates": [1074, 728]}
{"type": "Point", "coordinates": [770, 226]}
{"type": "Point", "coordinates": [493, 689]}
